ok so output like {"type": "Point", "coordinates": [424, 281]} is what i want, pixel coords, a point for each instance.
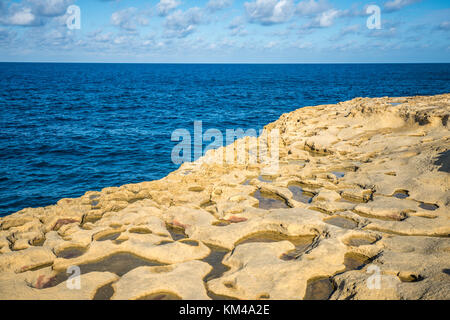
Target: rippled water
{"type": "Point", "coordinates": [69, 128]}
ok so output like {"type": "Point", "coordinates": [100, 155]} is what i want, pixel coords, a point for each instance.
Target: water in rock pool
{"type": "Point", "coordinates": [269, 200]}
{"type": "Point", "coordinates": [70, 128]}
{"type": "Point", "coordinates": [118, 263]}
{"type": "Point", "coordinates": [342, 222]}
{"type": "Point", "coordinates": [298, 194]}
{"type": "Point", "coordinates": [319, 289]}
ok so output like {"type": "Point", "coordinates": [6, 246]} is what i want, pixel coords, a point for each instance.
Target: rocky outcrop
{"type": "Point", "coordinates": [358, 209]}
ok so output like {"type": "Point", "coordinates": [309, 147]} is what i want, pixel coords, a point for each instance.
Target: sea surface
{"type": "Point", "coordinates": [70, 128]}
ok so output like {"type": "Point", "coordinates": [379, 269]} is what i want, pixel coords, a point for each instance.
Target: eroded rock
{"type": "Point", "coordinates": [365, 181]}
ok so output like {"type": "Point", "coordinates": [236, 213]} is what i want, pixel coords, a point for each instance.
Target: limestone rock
{"type": "Point", "coordinates": [365, 181]}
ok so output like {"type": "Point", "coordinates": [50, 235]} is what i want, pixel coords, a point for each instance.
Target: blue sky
{"type": "Point", "coordinates": [255, 31]}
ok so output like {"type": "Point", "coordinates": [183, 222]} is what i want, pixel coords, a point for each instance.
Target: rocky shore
{"type": "Point", "coordinates": [359, 209]}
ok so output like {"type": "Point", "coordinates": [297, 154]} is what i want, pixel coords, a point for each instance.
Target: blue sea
{"type": "Point", "coordinates": [70, 128]}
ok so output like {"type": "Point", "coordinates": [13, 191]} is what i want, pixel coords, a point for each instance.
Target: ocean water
{"type": "Point", "coordinates": [70, 128]}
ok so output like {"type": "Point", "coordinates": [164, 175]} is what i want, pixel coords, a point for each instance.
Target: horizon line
{"type": "Point", "coordinates": [268, 63]}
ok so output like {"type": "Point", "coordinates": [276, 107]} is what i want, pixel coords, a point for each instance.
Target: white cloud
{"type": "Point", "coordinates": [51, 36]}
{"type": "Point", "coordinates": [17, 15]}
{"type": "Point", "coordinates": [23, 17]}
{"type": "Point", "coordinates": [356, 11]}
{"type": "Point", "coordinates": [323, 20]}
{"type": "Point", "coordinates": [354, 29]}
{"type": "Point", "coordinates": [326, 18]}
{"type": "Point", "coordinates": [99, 36]}
{"type": "Point", "coordinates": [50, 8]}
{"type": "Point", "coordinates": [120, 40]}
{"type": "Point", "coordinates": [128, 19]}
{"type": "Point", "coordinates": [351, 29]}
{"type": "Point", "coordinates": [271, 44]}
{"type": "Point", "coordinates": [241, 32]}
{"type": "Point", "coordinates": [7, 36]}
{"type": "Point", "coordinates": [165, 6]}
{"type": "Point", "coordinates": [383, 33]}
{"type": "Point", "coordinates": [444, 25]}
{"type": "Point", "coordinates": [268, 12]}
{"type": "Point", "coordinates": [215, 5]}
{"type": "Point", "coordinates": [181, 23]}
{"type": "Point", "coordinates": [236, 22]}
{"type": "Point", "coordinates": [32, 12]}
{"type": "Point", "coordinates": [237, 27]}
{"type": "Point", "coordinates": [395, 5]}
{"type": "Point", "coordinates": [302, 45]}
{"type": "Point", "coordinates": [311, 7]}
